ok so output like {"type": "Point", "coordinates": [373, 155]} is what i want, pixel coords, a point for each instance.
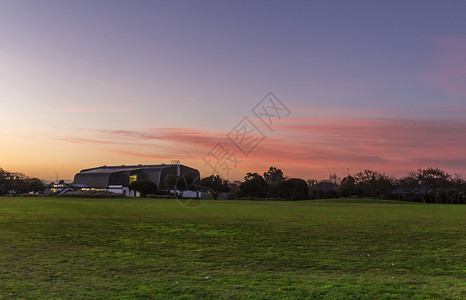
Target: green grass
{"type": "Point", "coordinates": [157, 249]}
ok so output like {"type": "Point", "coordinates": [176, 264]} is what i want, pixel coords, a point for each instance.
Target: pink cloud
{"type": "Point", "coordinates": [96, 109]}
{"type": "Point", "coordinates": [199, 140]}
{"type": "Point", "coordinates": [81, 140]}
{"type": "Point", "coordinates": [309, 148]}
{"type": "Point", "coordinates": [450, 61]}
{"type": "Point", "coordinates": [140, 155]}
{"type": "Point", "coordinates": [76, 140]}
{"type": "Point", "coordinates": [130, 135]}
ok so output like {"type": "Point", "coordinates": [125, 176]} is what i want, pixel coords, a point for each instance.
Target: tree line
{"type": "Point", "coordinates": [18, 183]}
{"type": "Point", "coordinates": [431, 185]}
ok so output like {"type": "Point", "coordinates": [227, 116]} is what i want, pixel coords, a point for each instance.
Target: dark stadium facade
{"type": "Point", "coordinates": [117, 178]}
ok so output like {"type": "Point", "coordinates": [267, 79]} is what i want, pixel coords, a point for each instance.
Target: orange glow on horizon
{"type": "Point", "coordinates": [306, 148]}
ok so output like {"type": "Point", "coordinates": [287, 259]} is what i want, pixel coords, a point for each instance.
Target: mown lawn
{"type": "Point", "coordinates": [52, 248]}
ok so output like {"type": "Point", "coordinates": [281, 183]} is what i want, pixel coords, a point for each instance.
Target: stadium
{"type": "Point", "coordinates": [117, 178]}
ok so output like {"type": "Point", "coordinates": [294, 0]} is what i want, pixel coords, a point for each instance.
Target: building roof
{"type": "Point", "coordinates": [103, 176]}
{"type": "Point", "coordinates": [113, 169]}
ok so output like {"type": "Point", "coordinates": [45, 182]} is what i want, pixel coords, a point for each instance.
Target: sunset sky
{"type": "Point", "coordinates": [369, 84]}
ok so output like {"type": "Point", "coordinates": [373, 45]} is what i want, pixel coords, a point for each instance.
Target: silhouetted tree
{"type": "Point", "coordinates": [254, 185]}
{"type": "Point", "coordinates": [274, 175]}
{"type": "Point", "coordinates": [347, 187]}
{"type": "Point", "coordinates": [13, 181]}
{"type": "Point", "coordinates": [457, 190]}
{"type": "Point", "coordinates": [170, 181]}
{"type": "Point", "coordinates": [144, 187]}
{"type": "Point", "coordinates": [433, 182]}
{"type": "Point", "coordinates": [36, 185]}
{"type": "Point", "coordinates": [373, 184]}
{"type": "Point", "coordinates": [407, 188]}
{"type": "Point", "coordinates": [294, 189]}
{"type": "Point", "coordinates": [215, 184]}
{"type": "Point", "coordinates": [333, 178]}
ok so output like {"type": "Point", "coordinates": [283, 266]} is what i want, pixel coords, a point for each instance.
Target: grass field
{"type": "Point", "coordinates": [158, 249]}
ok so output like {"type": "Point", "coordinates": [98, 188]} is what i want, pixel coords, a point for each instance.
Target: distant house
{"type": "Point", "coordinates": [325, 186]}
{"type": "Point", "coordinates": [117, 178]}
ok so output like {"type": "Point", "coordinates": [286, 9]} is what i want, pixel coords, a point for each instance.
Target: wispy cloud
{"type": "Point", "coordinates": [309, 146]}
{"type": "Point", "coordinates": [139, 155]}
{"type": "Point", "coordinates": [81, 140]}
{"type": "Point", "coordinates": [199, 140]}
{"type": "Point", "coordinates": [95, 109]}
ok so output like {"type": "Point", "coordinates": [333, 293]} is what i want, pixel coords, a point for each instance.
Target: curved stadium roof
{"type": "Point", "coordinates": [104, 176]}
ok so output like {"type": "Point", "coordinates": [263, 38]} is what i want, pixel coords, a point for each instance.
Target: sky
{"type": "Point", "coordinates": [360, 85]}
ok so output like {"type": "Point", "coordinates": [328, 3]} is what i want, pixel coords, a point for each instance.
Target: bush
{"type": "Point", "coordinates": [143, 186]}
{"type": "Point", "coordinates": [294, 189]}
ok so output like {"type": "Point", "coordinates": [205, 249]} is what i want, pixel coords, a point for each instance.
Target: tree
{"type": "Point", "coordinates": [215, 184]}
{"type": "Point", "coordinates": [458, 190]}
{"type": "Point", "coordinates": [275, 190]}
{"type": "Point", "coordinates": [374, 184]}
{"type": "Point", "coordinates": [254, 185]}
{"type": "Point", "coordinates": [274, 178]}
{"type": "Point", "coordinates": [347, 187]}
{"type": "Point", "coordinates": [274, 175]}
{"type": "Point", "coordinates": [13, 181]}
{"type": "Point", "coordinates": [233, 186]}
{"type": "Point", "coordinates": [181, 183]}
{"type": "Point", "coordinates": [143, 186]}
{"type": "Point", "coordinates": [433, 181]}
{"type": "Point", "coordinates": [170, 181]}
{"type": "Point", "coordinates": [334, 179]}
{"type": "Point", "coordinates": [294, 189]}
{"type": "Point", "coordinates": [187, 182]}
{"type": "Point", "coordinates": [3, 175]}
{"type": "Point", "coordinates": [311, 182]}
{"type": "Point", "coordinates": [408, 187]}
{"type": "Point", "coordinates": [36, 185]}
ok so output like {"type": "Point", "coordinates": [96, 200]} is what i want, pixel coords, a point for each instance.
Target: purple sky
{"type": "Point", "coordinates": [370, 84]}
